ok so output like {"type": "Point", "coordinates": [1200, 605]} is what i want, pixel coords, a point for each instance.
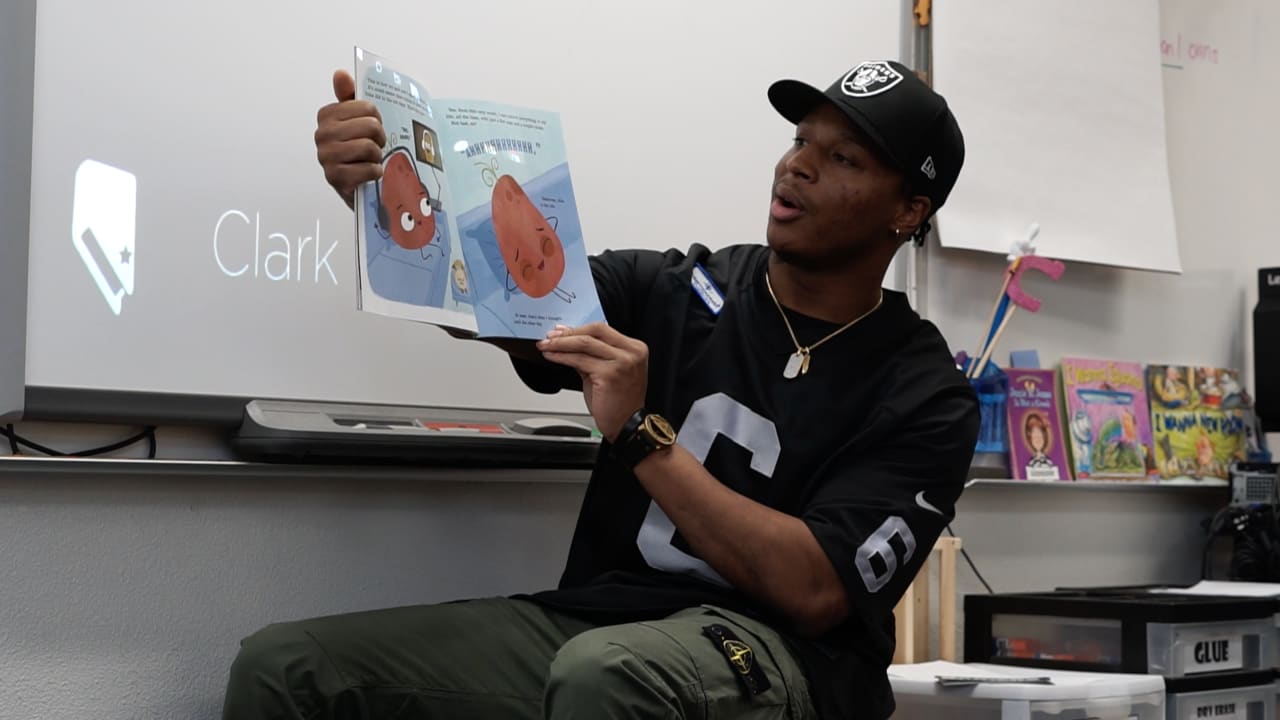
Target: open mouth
{"type": "Point", "coordinates": [786, 206]}
{"type": "Point", "coordinates": [787, 198]}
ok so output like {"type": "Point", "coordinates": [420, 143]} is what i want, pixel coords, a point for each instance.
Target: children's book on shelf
{"type": "Point", "coordinates": [473, 225]}
{"type": "Point", "coordinates": [1108, 423]}
{"type": "Point", "coordinates": [1036, 448]}
{"type": "Point", "coordinates": [1197, 421]}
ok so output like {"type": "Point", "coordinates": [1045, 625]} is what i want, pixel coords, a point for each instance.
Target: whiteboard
{"type": "Point", "coordinates": [1062, 109]}
{"type": "Point", "coordinates": [211, 106]}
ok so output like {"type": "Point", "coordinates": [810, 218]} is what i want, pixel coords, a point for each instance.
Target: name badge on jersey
{"type": "Point", "coordinates": [706, 289]}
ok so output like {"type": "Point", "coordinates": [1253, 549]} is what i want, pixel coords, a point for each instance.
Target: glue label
{"type": "Point", "coordinates": [1213, 654]}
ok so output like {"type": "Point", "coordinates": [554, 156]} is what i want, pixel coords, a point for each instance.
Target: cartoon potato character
{"type": "Point", "coordinates": [530, 247]}
{"type": "Point", "coordinates": [404, 205]}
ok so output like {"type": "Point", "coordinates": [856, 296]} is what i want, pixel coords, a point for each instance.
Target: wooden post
{"type": "Point", "coordinates": [911, 616]}
{"type": "Point", "coordinates": [920, 601]}
{"type": "Point", "coordinates": [915, 50]}
{"type": "Point", "coordinates": [947, 548]}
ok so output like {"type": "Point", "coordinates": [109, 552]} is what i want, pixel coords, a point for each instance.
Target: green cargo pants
{"type": "Point", "coordinates": [503, 658]}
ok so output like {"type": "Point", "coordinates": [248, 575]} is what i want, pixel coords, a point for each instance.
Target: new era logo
{"type": "Point", "coordinates": [928, 169]}
{"type": "Point", "coordinates": [870, 78]}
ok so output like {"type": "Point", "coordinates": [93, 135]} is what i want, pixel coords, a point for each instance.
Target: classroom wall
{"type": "Point", "coordinates": [124, 598]}
{"type": "Point", "coordinates": [1198, 317]}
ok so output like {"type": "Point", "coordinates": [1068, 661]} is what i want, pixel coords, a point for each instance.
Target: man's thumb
{"type": "Point", "coordinates": [344, 86]}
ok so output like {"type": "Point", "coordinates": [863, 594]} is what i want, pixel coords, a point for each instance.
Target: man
{"type": "Point", "coordinates": [749, 568]}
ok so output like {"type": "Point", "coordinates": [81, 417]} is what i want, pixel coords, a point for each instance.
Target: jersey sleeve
{"type": "Point", "coordinates": [623, 281]}
{"type": "Point", "coordinates": [878, 514]}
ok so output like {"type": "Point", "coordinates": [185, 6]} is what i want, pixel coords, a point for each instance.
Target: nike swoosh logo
{"type": "Point", "coordinates": [927, 505]}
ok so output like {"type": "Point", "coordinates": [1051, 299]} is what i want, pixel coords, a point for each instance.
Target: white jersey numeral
{"type": "Point", "coordinates": [878, 545]}
{"type": "Point", "coordinates": [711, 417]}
{"type": "Point", "coordinates": [720, 415]}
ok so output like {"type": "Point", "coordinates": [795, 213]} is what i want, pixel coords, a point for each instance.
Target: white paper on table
{"type": "Point", "coordinates": [944, 672]}
{"type": "Point", "coordinates": [1226, 587]}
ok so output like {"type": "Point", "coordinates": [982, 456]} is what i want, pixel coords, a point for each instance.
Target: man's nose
{"type": "Point", "coordinates": [800, 163]}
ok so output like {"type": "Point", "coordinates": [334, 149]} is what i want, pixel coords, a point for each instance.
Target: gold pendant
{"type": "Point", "coordinates": [797, 364]}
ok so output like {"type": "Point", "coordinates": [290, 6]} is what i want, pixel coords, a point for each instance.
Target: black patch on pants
{"type": "Point", "coordinates": [742, 659]}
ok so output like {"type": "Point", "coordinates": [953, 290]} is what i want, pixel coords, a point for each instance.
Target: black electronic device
{"type": "Point", "coordinates": [1266, 349]}
{"type": "Point", "coordinates": [1254, 484]}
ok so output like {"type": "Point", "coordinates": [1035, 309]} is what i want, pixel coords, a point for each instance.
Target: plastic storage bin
{"type": "Point", "coordinates": [1072, 696]}
{"type": "Point", "coordinates": [1087, 641]}
{"type": "Point", "coordinates": [1177, 636]}
{"type": "Point", "coordinates": [1186, 649]}
{"type": "Point", "coordinates": [1239, 703]}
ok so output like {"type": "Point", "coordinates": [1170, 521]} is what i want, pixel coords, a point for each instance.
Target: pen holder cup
{"type": "Point", "coordinates": [993, 390]}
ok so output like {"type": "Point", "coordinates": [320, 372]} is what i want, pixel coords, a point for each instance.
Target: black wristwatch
{"type": "Point", "coordinates": [643, 433]}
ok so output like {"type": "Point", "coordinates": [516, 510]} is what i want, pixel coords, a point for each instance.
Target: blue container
{"type": "Point", "coordinates": [993, 391]}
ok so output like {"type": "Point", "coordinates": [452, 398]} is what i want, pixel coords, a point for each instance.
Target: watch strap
{"type": "Point", "coordinates": [632, 445]}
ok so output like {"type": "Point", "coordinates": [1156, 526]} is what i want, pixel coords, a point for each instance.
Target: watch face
{"type": "Point", "coordinates": [660, 430]}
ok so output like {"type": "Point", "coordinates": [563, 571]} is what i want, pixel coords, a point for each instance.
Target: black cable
{"type": "Point", "coordinates": [972, 567]}
{"type": "Point", "coordinates": [146, 433]}
{"type": "Point", "coordinates": [1256, 555]}
{"type": "Point", "coordinates": [1213, 527]}
{"type": "Point", "coordinates": [1254, 532]}
{"type": "Point", "coordinates": [16, 442]}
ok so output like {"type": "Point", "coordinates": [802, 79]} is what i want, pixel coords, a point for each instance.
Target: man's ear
{"type": "Point", "coordinates": [914, 212]}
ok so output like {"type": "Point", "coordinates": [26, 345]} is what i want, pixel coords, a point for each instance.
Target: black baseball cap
{"type": "Point", "coordinates": [903, 117]}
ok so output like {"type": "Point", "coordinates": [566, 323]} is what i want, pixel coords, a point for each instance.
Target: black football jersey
{"type": "Point", "coordinates": [871, 448]}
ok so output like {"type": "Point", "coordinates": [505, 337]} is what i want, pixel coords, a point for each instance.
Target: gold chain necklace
{"type": "Point", "coordinates": [798, 363]}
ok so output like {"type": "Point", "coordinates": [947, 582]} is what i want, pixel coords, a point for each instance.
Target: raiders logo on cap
{"type": "Point", "coordinates": [870, 78]}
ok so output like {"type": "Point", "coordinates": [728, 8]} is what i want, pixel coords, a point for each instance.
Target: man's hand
{"type": "Point", "coordinates": [349, 139]}
{"type": "Point", "coordinates": [614, 370]}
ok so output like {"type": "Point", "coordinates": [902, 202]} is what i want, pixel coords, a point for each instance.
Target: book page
{"type": "Point", "coordinates": [517, 218]}
{"type": "Point", "coordinates": [410, 263]}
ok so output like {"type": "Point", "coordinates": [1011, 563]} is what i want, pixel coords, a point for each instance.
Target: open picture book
{"type": "Point", "coordinates": [473, 225]}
